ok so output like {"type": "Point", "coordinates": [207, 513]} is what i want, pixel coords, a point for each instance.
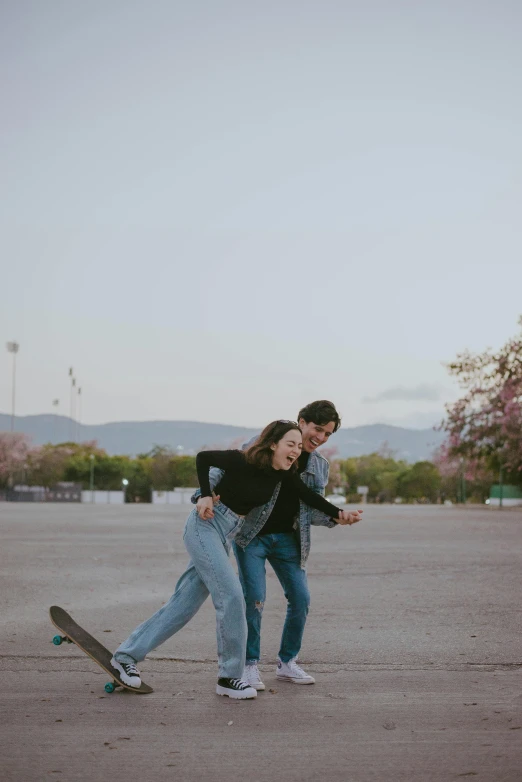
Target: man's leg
{"type": "Point", "coordinates": [285, 558]}
{"type": "Point", "coordinates": [252, 574]}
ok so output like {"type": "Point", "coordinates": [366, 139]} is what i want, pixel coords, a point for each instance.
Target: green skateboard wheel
{"type": "Point", "coordinates": [110, 687]}
{"type": "Point", "coordinates": [57, 640]}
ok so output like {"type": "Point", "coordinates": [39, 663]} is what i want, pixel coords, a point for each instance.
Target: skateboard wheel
{"type": "Point", "coordinates": [57, 640]}
{"type": "Point", "coordinates": [110, 687]}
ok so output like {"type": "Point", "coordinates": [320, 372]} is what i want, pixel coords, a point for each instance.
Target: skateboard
{"type": "Point", "coordinates": [85, 641]}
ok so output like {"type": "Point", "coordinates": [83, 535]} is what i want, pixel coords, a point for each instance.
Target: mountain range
{"type": "Point", "coordinates": [133, 437]}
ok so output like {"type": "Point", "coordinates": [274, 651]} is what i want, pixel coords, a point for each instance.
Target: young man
{"type": "Point", "coordinates": [280, 533]}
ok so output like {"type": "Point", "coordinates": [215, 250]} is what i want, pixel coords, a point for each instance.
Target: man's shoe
{"type": "Point", "coordinates": [128, 673]}
{"type": "Point", "coordinates": [235, 688]}
{"type": "Point", "coordinates": [251, 676]}
{"type": "Point", "coordinates": [291, 672]}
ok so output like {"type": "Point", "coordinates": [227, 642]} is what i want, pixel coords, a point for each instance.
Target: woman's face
{"type": "Point", "coordinates": [287, 450]}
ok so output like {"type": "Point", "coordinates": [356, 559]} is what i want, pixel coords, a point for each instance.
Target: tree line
{"type": "Point", "coordinates": [386, 477]}
{"type": "Point", "coordinates": [89, 465]}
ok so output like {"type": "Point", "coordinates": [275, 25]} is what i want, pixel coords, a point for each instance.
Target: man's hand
{"type": "Point", "coordinates": [349, 517]}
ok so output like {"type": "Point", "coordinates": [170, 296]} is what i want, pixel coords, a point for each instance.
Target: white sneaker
{"type": "Point", "coordinates": [251, 676]}
{"type": "Point", "coordinates": [128, 673]}
{"type": "Point", "coordinates": [291, 672]}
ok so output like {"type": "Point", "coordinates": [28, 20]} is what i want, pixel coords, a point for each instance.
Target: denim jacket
{"type": "Point", "coordinates": [315, 477]}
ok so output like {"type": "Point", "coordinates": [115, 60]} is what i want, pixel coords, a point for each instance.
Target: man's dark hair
{"type": "Point", "coordinates": [321, 413]}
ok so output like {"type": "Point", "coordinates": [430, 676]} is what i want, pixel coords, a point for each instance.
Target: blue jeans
{"type": "Point", "coordinates": [283, 552]}
{"type": "Point", "coordinates": [208, 572]}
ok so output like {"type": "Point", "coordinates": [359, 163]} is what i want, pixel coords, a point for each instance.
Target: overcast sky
{"type": "Point", "coordinates": [221, 211]}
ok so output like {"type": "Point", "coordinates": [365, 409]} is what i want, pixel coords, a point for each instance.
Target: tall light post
{"type": "Point", "coordinates": [73, 409]}
{"type": "Point", "coordinates": [124, 484]}
{"type": "Point", "coordinates": [71, 425]}
{"type": "Point", "coordinates": [56, 403]}
{"type": "Point", "coordinates": [462, 482]}
{"type": "Point", "coordinates": [13, 347]}
{"type": "Point", "coordinates": [79, 416]}
{"type": "Point", "coordinates": [502, 461]}
{"type": "Point", "coordinates": [91, 481]}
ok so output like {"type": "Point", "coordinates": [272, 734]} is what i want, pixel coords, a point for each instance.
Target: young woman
{"type": "Point", "coordinates": [249, 481]}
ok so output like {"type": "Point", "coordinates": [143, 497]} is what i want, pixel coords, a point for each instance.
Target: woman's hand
{"type": "Point", "coordinates": [349, 517]}
{"type": "Point", "coordinates": [205, 507]}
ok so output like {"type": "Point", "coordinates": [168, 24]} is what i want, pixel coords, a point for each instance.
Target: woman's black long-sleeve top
{"type": "Point", "coordinates": [245, 486]}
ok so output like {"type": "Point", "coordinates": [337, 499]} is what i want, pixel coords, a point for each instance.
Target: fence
{"type": "Point", "coordinates": [180, 496]}
{"type": "Point", "coordinates": [62, 492]}
{"type": "Point", "coordinates": [99, 497]}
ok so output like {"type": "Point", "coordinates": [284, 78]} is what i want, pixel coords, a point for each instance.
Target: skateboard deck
{"type": "Point", "coordinates": [88, 644]}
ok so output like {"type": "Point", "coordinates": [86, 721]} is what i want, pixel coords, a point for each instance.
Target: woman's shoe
{"type": "Point", "coordinates": [235, 688]}
{"type": "Point", "coordinates": [128, 673]}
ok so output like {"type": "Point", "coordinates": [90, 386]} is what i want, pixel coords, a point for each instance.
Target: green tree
{"type": "Point", "coordinates": [377, 471]}
{"type": "Point", "coordinates": [420, 481]}
{"type": "Point", "coordinates": [159, 468]}
{"type": "Point", "coordinates": [184, 471]}
{"type": "Point", "coordinates": [140, 485]}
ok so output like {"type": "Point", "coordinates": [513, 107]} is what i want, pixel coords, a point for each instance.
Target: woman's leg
{"type": "Point", "coordinates": [252, 574]}
{"type": "Point", "coordinates": [188, 597]}
{"type": "Point", "coordinates": [206, 542]}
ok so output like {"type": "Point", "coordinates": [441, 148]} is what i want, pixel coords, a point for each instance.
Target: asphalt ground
{"type": "Point", "coordinates": [414, 638]}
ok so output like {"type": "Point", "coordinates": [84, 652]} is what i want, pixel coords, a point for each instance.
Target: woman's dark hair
{"type": "Point", "coordinates": [321, 413]}
{"type": "Point", "coordinates": [260, 453]}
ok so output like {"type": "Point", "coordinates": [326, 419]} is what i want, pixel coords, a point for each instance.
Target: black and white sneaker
{"type": "Point", "coordinates": [128, 673]}
{"type": "Point", "coordinates": [235, 688]}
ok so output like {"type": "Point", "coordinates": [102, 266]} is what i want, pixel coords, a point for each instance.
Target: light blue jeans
{"type": "Point", "coordinates": [209, 572]}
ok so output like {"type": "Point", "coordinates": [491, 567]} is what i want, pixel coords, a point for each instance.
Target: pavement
{"type": "Point", "coordinates": [414, 638]}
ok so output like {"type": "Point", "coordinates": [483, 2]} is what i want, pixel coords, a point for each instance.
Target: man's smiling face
{"type": "Point", "coordinates": [315, 435]}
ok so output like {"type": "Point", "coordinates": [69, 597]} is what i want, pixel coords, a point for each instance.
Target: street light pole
{"type": "Point", "coordinates": [462, 482]}
{"type": "Point", "coordinates": [56, 403]}
{"type": "Point", "coordinates": [13, 347]}
{"type": "Point", "coordinates": [79, 415]}
{"type": "Point", "coordinates": [91, 482]}
{"type": "Point", "coordinates": [71, 423]}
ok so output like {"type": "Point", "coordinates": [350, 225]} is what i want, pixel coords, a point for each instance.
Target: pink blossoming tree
{"type": "Point", "coordinates": [14, 450]}
{"type": "Point", "coordinates": [485, 425]}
